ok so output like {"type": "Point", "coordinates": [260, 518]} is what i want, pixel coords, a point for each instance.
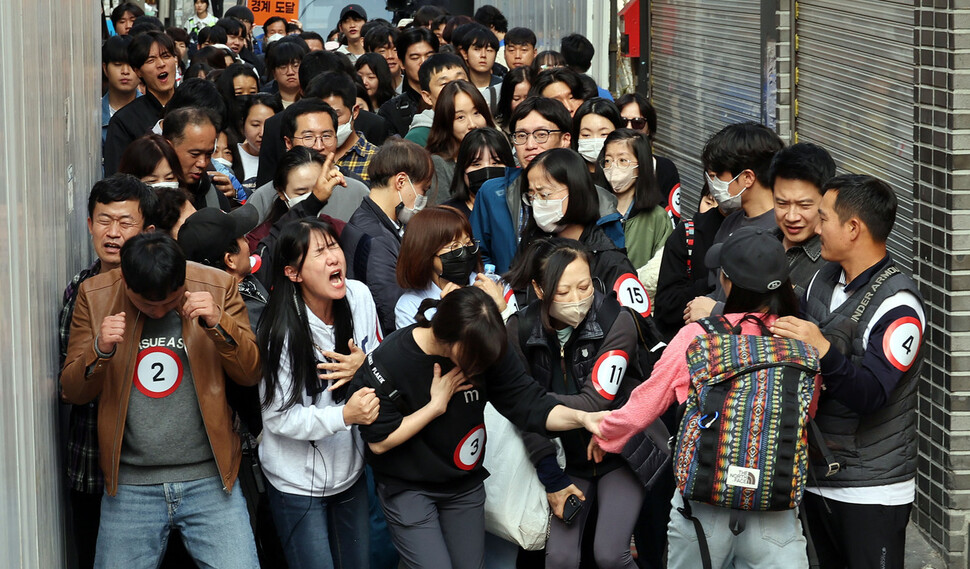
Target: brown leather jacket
{"type": "Point", "coordinates": [213, 355]}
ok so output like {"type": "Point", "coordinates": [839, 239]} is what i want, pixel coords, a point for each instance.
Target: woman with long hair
{"type": "Point", "coordinates": [251, 112]}
{"type": "Point", "coordinates": [313, 335]}
{"type": "Point", "coordinates": [484, 155]}
{"type": "Point", "coordinates": [376, 76]}
{"type": "Point", "coordinates": [627, 164]}
{"type": "Point", "coordinates": [459, 109]}
{"type": "Point", "coordinates": [754, 272]}
{"type": "Point", "coordinates": [515, 88]}
{"type": "Point", "coordinates": [433, 379]}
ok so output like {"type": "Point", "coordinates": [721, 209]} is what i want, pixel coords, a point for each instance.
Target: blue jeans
{"type": "Point", "coordinates": [323, 532]}
{"type": "Point", "coordinates": [769, 539]}
{"type": "Point", "coordinates": [135, 525]}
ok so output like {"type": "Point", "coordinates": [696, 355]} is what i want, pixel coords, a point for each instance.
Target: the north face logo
{"type": "Point", "coordinates": [743, 477]}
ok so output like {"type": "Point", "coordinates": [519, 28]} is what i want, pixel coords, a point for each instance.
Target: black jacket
{"type": "Point", "coordinates": [135, 119]}
{"type": "Point", "coordinates": [584, 373]}
{"type": "Point", "coordinates": [400, 110]}
{"type": "Point", "coordinates": [609, 261]}
{"type": "Point", "coordinates": [683, 278]}
{"type": "Point", "coordinates": [371, 244]}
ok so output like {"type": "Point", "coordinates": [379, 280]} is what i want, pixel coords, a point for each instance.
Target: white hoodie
{"type": "Point", "coordinates": [291, 464]}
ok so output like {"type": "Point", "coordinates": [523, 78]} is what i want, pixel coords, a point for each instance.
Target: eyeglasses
{"type": "Point", "coordinates": [462, 249]}
{"type": "Point", "coordinates": [292, 64]}
{"type": "Point", "coordinates": [532, 195]}
{"type": "Point", "coordinates": [311, 139]}
{"type": "Point", "coordinates": [540, 135]}
{"type": "Point", "coordinates": [621, 164]}
{"type": "Point", "coordinates": [636, 123]}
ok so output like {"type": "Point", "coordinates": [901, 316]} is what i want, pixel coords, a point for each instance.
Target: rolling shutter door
{"type": "Point", "coordinates": [705, 74]}
{"type": "Point", "coordinates": [854, 94]}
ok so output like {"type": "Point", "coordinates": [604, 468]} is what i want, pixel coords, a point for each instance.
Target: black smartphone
{"type": "Point", "coordinates": [571, 509]}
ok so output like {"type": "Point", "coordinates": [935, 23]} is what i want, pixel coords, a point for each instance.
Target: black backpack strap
{"type": "Point", "coordinates": [817, 441]}
{"type": "Point", "coordinates": [699, 529]}
{"type": "Point", "coordinates": [379, 380]}
{"type": "Point", "coordinates": [716, 324]}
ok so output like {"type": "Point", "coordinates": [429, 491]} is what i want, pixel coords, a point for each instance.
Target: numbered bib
{"type": "Point", "coordinates": [673, 200]}
{"type": "Point", "coordinates": [631, 293]}
{"type": "Point", "coordinates": [158, 372]}
{"type": "Point", "coordinates": [608, 373]}
{"type": "Point", "coordinates": [901, 342]}
{"type": "Point", "coordinates": [471, 448]}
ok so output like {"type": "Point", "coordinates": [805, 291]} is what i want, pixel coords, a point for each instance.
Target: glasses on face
{"type": "Point", "coordinates": [540, 135]}
{"type": "Point", "coordinates": [636, 123]}
{"type": "Point", "coordinates": [470, 247]}
{"type": "Point", "coordinates": [533, 195]}
{"type": "Point", "coordinates": [311, 139]}
{"type": "Point", "coordinates": [295, 65]}
{"type": "Point", "coordinates": [621, 164]}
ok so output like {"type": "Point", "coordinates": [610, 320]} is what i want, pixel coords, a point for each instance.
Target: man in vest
{"type": "Point", "coordinates": [866, 319]}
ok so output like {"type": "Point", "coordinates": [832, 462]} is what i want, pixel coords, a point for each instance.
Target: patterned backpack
{"type": "Point", "coordinates": [743, 439]}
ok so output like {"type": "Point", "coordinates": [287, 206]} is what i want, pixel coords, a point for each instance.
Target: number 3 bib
{"type": "Point", "coordinates": [158, 372]}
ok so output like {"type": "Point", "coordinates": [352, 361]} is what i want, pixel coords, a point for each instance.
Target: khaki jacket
{"type": "Point", "coordinates": [228, 349]}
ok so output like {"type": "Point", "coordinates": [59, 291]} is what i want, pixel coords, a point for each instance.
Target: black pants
{"type": "Point", "coordinates": [86, 517]}
{"type": "Point", "coordinates": [857, 536]}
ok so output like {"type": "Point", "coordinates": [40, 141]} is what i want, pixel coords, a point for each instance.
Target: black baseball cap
{"type": "Point", "coordinates": [207, 234]}
{"type": "Point", "coordinates": [353, 9]}
{"type": "Point", "coordinates": [752, 258]}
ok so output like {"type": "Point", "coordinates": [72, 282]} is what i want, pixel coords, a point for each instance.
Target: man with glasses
{"type": "Point", "coordinates": [498, 217]}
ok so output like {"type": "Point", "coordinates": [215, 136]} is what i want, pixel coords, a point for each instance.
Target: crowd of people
{"type": "Point", "coordinates": [324, 261]}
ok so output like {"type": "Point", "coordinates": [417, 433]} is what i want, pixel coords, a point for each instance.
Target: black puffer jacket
{"type": "Point", "coordinates": [595, 370]}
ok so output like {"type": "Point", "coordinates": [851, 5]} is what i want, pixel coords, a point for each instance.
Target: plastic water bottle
{"type": "Point", "coordinates": [490, 273]}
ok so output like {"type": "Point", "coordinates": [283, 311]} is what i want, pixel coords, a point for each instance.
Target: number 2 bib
{"type": "Point", "coordinates": [158, 372]}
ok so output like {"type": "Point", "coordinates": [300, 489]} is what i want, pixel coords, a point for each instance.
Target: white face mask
{"type": "Point", "coordinates": [719, 190]}
{"type": "Point", "coordinates": [343, 133]}
{"type": "Point", "coordinates": [571, 313]}
{"type": "Point", "coordinates": [290, 202]}
{"type": "Point", "coordinates": [621, 180]}
{"type": "Point", "coordinates": [420, 200]}
{"type": "Point", "coordinates": [223, 161]}
{"type": "Point", "coordinates": [547, 213]}
{"type": "Point", "coordinates": [159, 185]}
{"type": "Point", "coordinates": [590, 148]}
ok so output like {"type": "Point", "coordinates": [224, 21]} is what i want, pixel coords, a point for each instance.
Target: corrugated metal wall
{"type": "Point", "coordinates": [854, 94]}
{"type": "Point", "coordinates": [49, 150]}
{"type": "Point", "coordinates": [553, 19]}
{"type": "Point", "coordinates": [705, 74]}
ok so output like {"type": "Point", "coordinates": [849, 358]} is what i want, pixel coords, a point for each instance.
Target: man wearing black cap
{"type": "Point", "coordinates": [214, 238]}
{"type": "Point", "coordinates": [352, 20]}
{"type": "Point", "coordinates": [866, 319]}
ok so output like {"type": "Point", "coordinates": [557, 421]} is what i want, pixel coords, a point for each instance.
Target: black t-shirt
{"type": "Point", "coordinates": [447, 453]}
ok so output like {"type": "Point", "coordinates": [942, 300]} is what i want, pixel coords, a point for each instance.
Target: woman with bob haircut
{"type": "Point", "coordinates": [593, 121]}
{"type": "Point", "coordinates": [250, 113]}
{"type": "Point", "coordinates": [563, 337]}
{"type": "Point", "coordinates": [376, 76]}
{"type": "Point", "coordinates": [438, 255]}
{"type": "Point", "coordinates": [751, 263]}
{"type": "Point", "coordinates": [283, 71]}
{"type": "Point", "coordinates": [484, 154]}
{"type": "Point", "coordinates": [459, 109]}
{"type": "Point", "coordinates": [313, 335]}
{"type": "Point", "coordinates": [564, 203]}
{"type": "Point", "coordinates": [426, 446]}
{"type": "Point", "coordinates": [237, 79]}
{"type": "Point", "coordinates": [151, 159]}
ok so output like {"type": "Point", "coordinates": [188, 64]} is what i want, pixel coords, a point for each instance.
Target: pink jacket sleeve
{"type": "Point", "coordinates": [652, 397]}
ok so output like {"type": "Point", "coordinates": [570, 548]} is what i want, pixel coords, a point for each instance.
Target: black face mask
{"type": "Point", "coordinates": [457, 265]}
{"type": "Point", "coordinates": [478, 177]}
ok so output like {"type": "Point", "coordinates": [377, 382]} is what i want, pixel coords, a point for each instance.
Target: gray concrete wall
{"type": "Point", "coordinates": [50, 117]}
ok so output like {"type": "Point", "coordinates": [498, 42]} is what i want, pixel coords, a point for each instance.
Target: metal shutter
{"type": "Point", "coordinates": [854, 94]}
{"type": "Point", "coordinates": [705, 74]}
